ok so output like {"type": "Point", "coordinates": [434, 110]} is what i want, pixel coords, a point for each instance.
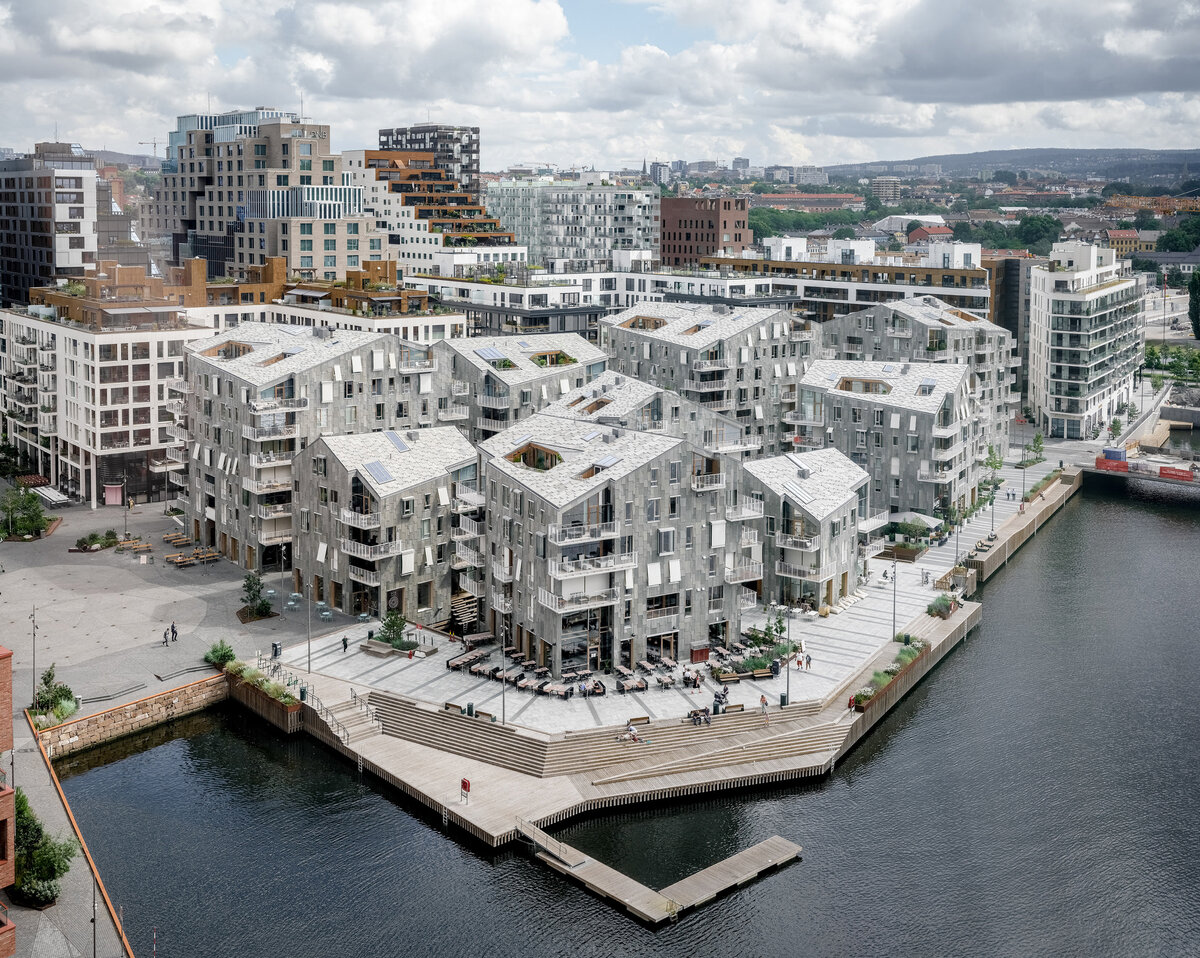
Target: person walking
{"type": "Point", "coordinates": [174, 633]}
{"type": "Point", "coordinates": [166, 636]}
{"type": "Point", "coordinates": [762, 701]}
{"type": "Point", "coordinates": [345, 643]}
{"type": "Point", "coordinates": [808, 663]}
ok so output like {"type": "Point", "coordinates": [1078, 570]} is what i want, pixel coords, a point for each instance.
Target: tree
{"type": "Point", "coordinates": [843, 232]}
{"type": "Point", "coordinates": [1175, 276]}
{"type": "Point", "coordinates": [1005, 176]}
{"type": "Point", "coordinates": [1194, 302]}
{"type": "Point", "coordinates": [1152, 357]}
{"type": "Point", "coordinates": [1156, 381]}
{"type": "Point", "coordinates": [252, 594]}
{"type": "Point", "coordinates": [41, 860]}
{"type": "Point", "coordinates": [1114, 428]}
{"type": "Point", "coordinates": [391, 629]}
{"type": "Point", "coordinates": [23, 512]}
{"type": "Point", "coordinates": [1038, 446]}
{"type": "Point", "coordinates": [1146, 220]}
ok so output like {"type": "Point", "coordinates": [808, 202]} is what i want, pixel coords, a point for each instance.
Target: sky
{"type": "Point", "coordinates": [612, 82]}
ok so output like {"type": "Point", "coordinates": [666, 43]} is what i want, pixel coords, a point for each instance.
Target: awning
{"type": "Point", "coordinates": [915, 517]}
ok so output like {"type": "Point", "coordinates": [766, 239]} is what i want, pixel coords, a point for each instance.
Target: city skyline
{"type": "Point", "coordinates": [580, 84]}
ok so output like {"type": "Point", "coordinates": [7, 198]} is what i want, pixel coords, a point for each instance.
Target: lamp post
{"type": "Point", "coordinates": [33, 681]}
{"type": "Point", "coordinates": [310, 605]}
{"type": "Point", "coordinates": [895, 573]}
{"type": "Point", "coordinates": [125, 501]}
{"type": "Point", "coordinates": [282, 563]}
{"type": "Point", "coordinates": [503, 680]}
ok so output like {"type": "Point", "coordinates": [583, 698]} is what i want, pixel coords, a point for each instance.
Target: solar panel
{"type": "Point", "coordinates": [797, 493]}
{"type": "Point", "coordinates": [888, 368]}
{"type": "Point", "coordinates": [929, 382]}
{"type": "Point", "coordinates": [396, 441]}
{"type": "Point", "coordinates": [591, 435]}
{"type": "Point", "coordinates": [378, 472]}
{"type": "Point", "coordinates": [489, 353]}
{"type": "Point", "coordinates": [523, 344]}
{"type": "Point", "coordinates": [608, 462]}
{"type": "Point", "coordinates": [521, 440]}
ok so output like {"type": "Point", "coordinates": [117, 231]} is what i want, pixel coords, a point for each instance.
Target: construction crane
{"type": "Point", "coordinates": [153, 143]}
{"type": "Point", "coordinates": [1163, 205]}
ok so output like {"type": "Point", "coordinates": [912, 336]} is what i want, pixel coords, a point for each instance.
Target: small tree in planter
{"type": "Point", "coordinates": [220, 654]}
{"type": "Point", "coordinates": [391, 631]}
{"type": "Point", "coordinates": [1038, 447]}
{"type": "Point", "coordinates": [257, 605]}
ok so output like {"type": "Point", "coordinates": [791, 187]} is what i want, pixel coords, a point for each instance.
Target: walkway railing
{"type": "Point", "coordinates": [362, 702]}
{"type": "Point", "coordinates": [327, 716]}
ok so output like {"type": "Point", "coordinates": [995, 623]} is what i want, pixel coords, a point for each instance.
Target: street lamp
{"type": "Point", "coordinates": [895, 574]}
{"type": "Point", "coordinates": [282, 563]}
{"type": "Point", "coordinates": [33, 680]}
{"type": "Point", "coordinates": [503, 680]}
{"type": "Point", "coordinates": [310, 605]}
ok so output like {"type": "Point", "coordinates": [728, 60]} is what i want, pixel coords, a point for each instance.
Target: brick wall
{"type": "Point", "coordinates": [132, 717]}
{"type": "Point", "coordinates": [6, 732]}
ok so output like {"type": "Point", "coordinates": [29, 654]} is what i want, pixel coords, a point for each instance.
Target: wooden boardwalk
{"type": "Point", "coordinates": [654, 907]}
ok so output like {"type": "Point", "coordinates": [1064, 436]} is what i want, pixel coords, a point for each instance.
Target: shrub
{"type": "Point", "coordinates": [391, 629]}
{"type": "Point", "coordinates": [236, 667]}
{"type": "Point", "coordinates": [880, 678]}
{"type": "Point", "coordinates": [81, 543]}
{"type": "Point", "coordinates": [93, 538]}
{"type": "Point", "coordinates": [41, 859]}
{"type": "Point", "coordinates": [939, 607]}
{"type": "Point", "coordinates": [262, 608]}
{"type": "Point", "coordinates": [50, 693]}
{"type": "Point", "coordinates": [65, 709]}
{"type": "Point", "coordinates": [220, 654]}
{"type": "Point", "coordinates": [110, 534]}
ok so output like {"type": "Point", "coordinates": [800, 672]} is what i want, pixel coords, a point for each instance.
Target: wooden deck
{"type": "Point", "coordinates": [654, 907]}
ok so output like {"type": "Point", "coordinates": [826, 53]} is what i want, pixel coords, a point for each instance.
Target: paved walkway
{"type": "Point", "coordinates": [65, 928]}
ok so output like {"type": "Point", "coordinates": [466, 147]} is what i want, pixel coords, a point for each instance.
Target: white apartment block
{"type": "Point", "coordinates": [564, 223]}
{"type": "Point", "coordinates": [743, 362]}
{"type": "Point", "coordinates": [911, 426]}
{"type": "Point", "coordinates": [813, 504]}
{"type": "Point", "coordinates": [1085, 339]}
{"type": "Point", "coordinates": [88, 404]}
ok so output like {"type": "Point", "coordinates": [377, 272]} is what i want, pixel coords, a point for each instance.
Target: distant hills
{"type": "Point", "coordinates": [1138, 164]}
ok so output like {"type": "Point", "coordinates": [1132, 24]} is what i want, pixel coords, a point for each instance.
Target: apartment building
{"type": "Point", "coordinates": [47, 219]}
{"type": "Point", "coordinates": [613, 399]}
{"type": "Point", "coordinates": [577, 224]}
{"type": "Point", "coordinates": [1085, 339]}
{"type": "Point", "coordinates": [742, 362]}
{"type": "Point", "coordinates": [886, 189]}
{"type": "Point", "coordinates": [455, 149]}
{"type": "Point", "coordinates": [434, 223]}
{"type": "Point", "coordinates": [604, 543]}
{"type": "Point", "coordinates": [812, 505]}
{"type": "Point", "coordinates": [849, 275]}
{"type": "Point", "coordinates": [1011, 278]}
{"type": "Point", "coordinates": [377, 528]}
{"type": "Point", "coordinates": [486, 384]}
{"type": "Point", "coordinates": [692, 227]}
{"type": "Point", "coordinates": [256, 396]}
{"type": "Point", "coordinates": [927, 330]}
{"type": "Point", "coordinates": [240, 193]}
{"type": "Point", "coordinates": [87, 372]}
{"type": "Point", "coordinates": [909, 425]}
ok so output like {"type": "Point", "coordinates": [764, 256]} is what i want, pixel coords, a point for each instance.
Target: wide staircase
{"type": "Point", "coordinates": [357, 720]}
{"type": "Point", "coordinates": [668, 745]}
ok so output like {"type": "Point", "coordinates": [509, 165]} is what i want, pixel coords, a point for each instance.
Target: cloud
{"type": "Point", "coordinates": [820, 81]}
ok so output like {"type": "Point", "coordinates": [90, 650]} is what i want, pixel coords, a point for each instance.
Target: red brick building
{"type": "Point", "coordinates": [692, 227]}
{"type": "Point", "coordinates": [930, 232]}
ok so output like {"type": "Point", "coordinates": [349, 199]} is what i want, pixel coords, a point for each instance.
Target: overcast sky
{"type": "Point", "coordinates": [581, 82]}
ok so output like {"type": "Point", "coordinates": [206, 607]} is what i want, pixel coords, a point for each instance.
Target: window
{"type": "Point", "coordinates": [331, 261]}
{"type": "Point", "coordinates": [352, 260]}
{"type": "Point", "coordinates": [351, 229]}
{"type": "Point", "coordinates": [654, 478]}
{"type": "Point", "coordinates": [281, 179]}
{"type": "Point", "coordinates": [306, 164]}
{"type": "Point", "coordinates": [666, 541]}
{"type": "Point", "coordinates": [305, 149]}
{"type": "Point", "coordinates": [306, 246]}
{"type": "Point", "coordinates": [912, 443]}
{"type": "Point", "coordinates": [330, 245]}
{"type": "Point", "coordinates": [306, 229]}
{"type": "Point", "coordinates": [878, 417]}
{"type": "Point", "coordinates": [376, 244]}
{"type": "Point", "coordinates": [331, 229]}
{"type": "Point", "coordinates": [327, 166]}
{"type": "Point", "coordinates": [352, 244]}
{"type": "Point", "coordinates": [305, 261]}
{"type": "Point", "coordinates": [652, 510]}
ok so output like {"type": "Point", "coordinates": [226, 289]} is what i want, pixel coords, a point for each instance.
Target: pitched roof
{"type": "Point", "coordinates": [821, 482]}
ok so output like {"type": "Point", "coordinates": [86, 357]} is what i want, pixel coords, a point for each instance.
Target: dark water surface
{"type": "Point", "coordinates": [1039, 794]}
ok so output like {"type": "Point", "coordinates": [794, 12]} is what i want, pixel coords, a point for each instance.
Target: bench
{"type": "Point", "coordinates": [451, 707]}
{"type": "Point", "coordinates": [762, 673]}
{"type": "Point", "coordinates": [173, 556]}
{"type": "Point", "coordinates": [725, 678]}
{"type": "Point", "coordinates": [640, 720]}
{"type": "Point", "coordinates": [141, 547]}
{"type": "Point", "coordinates": [486, 716]}
{"type": "Point", "coordinates": [375, 647]}
{"type": "Point", "coordinates": [734, 708]}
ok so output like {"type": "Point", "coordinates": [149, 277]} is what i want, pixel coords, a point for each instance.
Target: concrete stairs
{"type": "Point", "coordinates": [355, 720]}
{"type": "Point", "coordinates": [542, 755]}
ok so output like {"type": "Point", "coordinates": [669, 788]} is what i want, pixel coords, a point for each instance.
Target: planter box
{"type": "Point", "coordinates": [287, 718]}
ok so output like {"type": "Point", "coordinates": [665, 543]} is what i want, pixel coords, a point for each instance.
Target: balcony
{"type": "Point", "coordinates": [176, 431]}
{"type": "Point", "coordinates": [716, 607]}
{"type": "Point", "coordinates": [363, 550]}
{"type": "Point", "coordinates": [747, 599]}
{"type": "Point", "coordinates": [748, 537]}
{"type": "Point", "coordinates": [570, 568]}
{"type": "Point", "coordinates": [486, 401]}
{"type": "Point", "coordinates": [708, 482]}
{"type": "Point", "coordinates": [501, 572]}
{"type": "Point", "coordinates": [268, 459]}
{"type": "Point", "coordinates": [935, 476]}
{"type": "Point", "coordinates": [259, 406]}
{"type": "Point", "coordinates": [409, 366]}
{"type": "Point", "coordinates": [802, 417]}
{"type": "Point", "coordinates": [260, 487]}
{"type": "Point", "coordinates": [809, 442]}
{"type": "Point", "coordinates": [176, 478]}
{"type": "Point", "coordinates": [269, 433]}
{"type": "Point", "coordinates": [744, 571]}
{"type": "Point", "coordinates": [717, 404]}
{"type": "Point", "coordinates": [788, 396]}
{"type": "Point", "coordinates": [467, 529]}
{"type": "Point", "coordinates": [801, 543]}
{"type": "Point", "coordinates": [950, 453]}
{"type": "Point", "coordinates": [802, 335]}
{"type": "Point", "coordinates": [745, 509]}
{"type": "Point", "coordinates": [734, 444]}
{"type": "Point", "coordinates": [460, 388]}
{"type": "Point", "coordinates": [176, 454]}
{"type": "Point", "coordinates": [454, 413]}
{"type": "Point", "coordinates": [492, 425]}
{"type": "Point", "coordinates": [48, 423]}
{"type": "Point", "coordinates": [467, 500]}
{"type": "Point", "coordinates": [790, 570]}
{"type": "Point", "coordinates": [465, 557]}
{"type": "Point", "coordinates": [360, 520]}
{"type": "Point", "coordinates": [210, 488]}
{"type": "Point", "coordinates": [581, 532]}
{"type": "Point", "coordinates": [174, 406]}
{"type": "Point", "coordinates": [577, 602]}
{"type": "Point", "coordinates": [700, 365]}
{"type": "Point", "coordinates": [947, 432]}
{"type": "Point", "coordinates": [178, 385]}
{"type": "Point", "coordinates": [501, 602]}
{"type": "Point", "coordinates": [275, 510]}
{"type": "Point", "coordinates": [274, 537]}
{"type": "Point", "coordinates": [660, 623]}
{"type": "Point", "coordinates": [365, 576]}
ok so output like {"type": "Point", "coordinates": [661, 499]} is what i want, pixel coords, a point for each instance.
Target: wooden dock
{"type": "Point", "coordinates": [655, 907]}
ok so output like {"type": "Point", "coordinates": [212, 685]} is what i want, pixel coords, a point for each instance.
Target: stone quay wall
{"type": "Point", "coordinates": [77, 734]}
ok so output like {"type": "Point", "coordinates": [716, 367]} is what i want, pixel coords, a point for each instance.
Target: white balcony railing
{"type": "Point", "coordinates": [934, 475]}
{"type": "Point", "coordinates": [708, 482]}
{"type": "Point", "coordinates": [744, 509]}
{"type": "Point", "coordinates": [267, 433]}
{"type": "Point", "coordinates": [744, 571]}
{"type": "Point", "coordinates": [486, 401]}
{"type": "Point", "coordinates": [492, 425]}
{"type": "Point", "coordinates": [790, 570]}
{"type": "Point", "coordinates": [271, 537]}
{"type": "Point", "coordinates": [460, 388]}
{"type": "Point", "coordinates": [578, 601]}
{"type": "Point", "coordinates": [274, 511]}
{"type": "Point", "coordinates": [278, 458]}
{"type": "Point", "coordinates": [365, 576]}
{"type": "Point", "coordinates": [360, 520]}
{"type": "Point", "coordinates": [259, 406]}
{"type": "Point", "coordinates": [177, 454]}
{"type": "Point", "coordinates": [802, 543]}
{"type": "Point", "coordinates": [467, 500]}
{"type": "Point", "coordinates": [454, 413]}
{"type": "Point", "coordinates": [364, 550]}
{"type": "Point", "coordinates": [501, 602]}
{"type": "Point", "coordinates": [734, 444]}
{"type": "Point", "coordinates": [569, 568]}
{"type": "Point", "coordinates": [746, 599]}
{"type": "Point", "coordinates": [465, 556]}
{"type": "Point", "coordinates": [261, 487]}
{"type": "Point", "coordinates": [467, 528]}
{"type": "Point", "coordinates": [581, 532]}
{"type": "Point", "coordinates": [748, 537]}
{"type": "Point", "coordinates": [471, 586]}
{"type": "Point", "coordinates": [501, 572]}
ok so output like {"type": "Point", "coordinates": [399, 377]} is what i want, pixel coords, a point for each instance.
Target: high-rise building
{"type": "Point", "coordinates": [886, 189]}
{"type": "Point", "coordinates": [740, 163]}
{"type": "Point", "coordinates": [455, 149]}
{"type": "Point", "coordinates": [47, 218]}
{"type": "Point", "coordinates": [1084, 339]}
{"type": "Point", "coordinates": [692, 227]}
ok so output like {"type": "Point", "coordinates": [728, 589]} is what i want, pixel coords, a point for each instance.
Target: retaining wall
{"type": "Point", "coordinates": [133, 717]}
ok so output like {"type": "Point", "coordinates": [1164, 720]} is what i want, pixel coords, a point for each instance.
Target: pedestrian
{"type": "Point", "coordinates": [345, 643]}
{"type": "Point", "coordinates": [166, 636]}
{"type": "Point", "coordinates": [174, 633]}
{"type": "Point", "coordinates": [808, 663]}
{"type": "Point", "coordinates": [762, 701]}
